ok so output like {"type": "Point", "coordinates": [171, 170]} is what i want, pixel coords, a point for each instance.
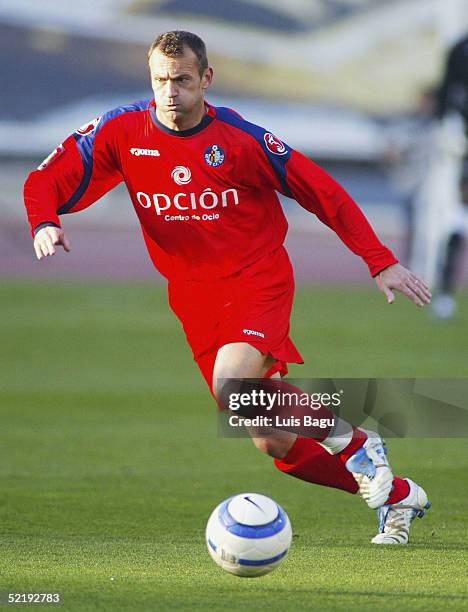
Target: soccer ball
{"type": "Point", "coordinates": [248, 534]}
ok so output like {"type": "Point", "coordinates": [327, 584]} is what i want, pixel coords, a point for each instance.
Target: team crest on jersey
{"type": "Point", "coordinates": [89, 127]}
{"type": "Point", "coordinates": [214, 156]}
{"type": "Point", "coordinates": [56, 153]}
{"type": "Point", "coordinates": [274, 144]}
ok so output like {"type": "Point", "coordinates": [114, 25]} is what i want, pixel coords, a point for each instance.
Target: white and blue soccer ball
{"type": "Point", "coordinates": [248, 534]}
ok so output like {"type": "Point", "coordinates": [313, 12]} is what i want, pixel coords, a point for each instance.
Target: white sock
{"type": "Point", "coordinates": [339, 437]}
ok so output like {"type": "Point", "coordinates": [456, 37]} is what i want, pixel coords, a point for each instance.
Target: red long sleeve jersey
{"type": "Point", "coordinates": [205, 197]}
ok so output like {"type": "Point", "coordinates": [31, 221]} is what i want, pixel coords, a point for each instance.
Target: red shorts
{"type": "Point", "coordinates": [253, 305]}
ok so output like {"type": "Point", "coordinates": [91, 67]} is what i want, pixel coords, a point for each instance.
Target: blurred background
{"type": "Point", "coordinates": [344, 81]}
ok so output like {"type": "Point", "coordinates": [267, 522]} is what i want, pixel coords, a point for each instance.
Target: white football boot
{"type": "Point", "coordinates": [395, 519]}
{"type": "Point", "coordinates": [370, 468]}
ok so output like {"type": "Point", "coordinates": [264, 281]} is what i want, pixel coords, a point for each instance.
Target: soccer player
{"type": "Point", "coordinates": [452, 100]}
{"type": "Point", "coordinates": [203, 183]}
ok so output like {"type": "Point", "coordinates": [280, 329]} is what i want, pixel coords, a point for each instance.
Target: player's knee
{"type": "Point", "coordinates": [218, 384]}
{"type": "Point", "coordinates": [272, 446]}
{"type": "Point", "coordinates": [265, 445]}
{"type": "Point", "coordinates": [221, 379]}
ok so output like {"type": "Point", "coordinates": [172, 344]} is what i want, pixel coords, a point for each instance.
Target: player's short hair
{"type": "Point", "coordinates": [173, 43]}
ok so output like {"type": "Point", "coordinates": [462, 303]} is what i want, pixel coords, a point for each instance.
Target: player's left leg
{"type": "Point", "coordinates": [395, 519]}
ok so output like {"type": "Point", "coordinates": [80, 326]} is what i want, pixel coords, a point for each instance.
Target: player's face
{"type": "Point", "coordinates": [178, 88]}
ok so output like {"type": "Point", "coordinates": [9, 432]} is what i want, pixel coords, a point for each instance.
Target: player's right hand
{"type": "Point", "coordinates": [47, 239]}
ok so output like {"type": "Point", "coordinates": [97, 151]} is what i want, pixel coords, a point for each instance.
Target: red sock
{"type": "Point", "coordinates": [320, 412]}
{"type": "Point", "coordinates": [358, 439]}
{"type": "Point", "coordinates": [309, 461]}
{"type": "Point", "coordinates": [400, 490]}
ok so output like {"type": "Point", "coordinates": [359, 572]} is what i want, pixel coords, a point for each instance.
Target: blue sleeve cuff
{"type": "Point", "coordinates": [45, 224]}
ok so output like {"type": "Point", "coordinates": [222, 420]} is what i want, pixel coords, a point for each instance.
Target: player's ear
{"type": "Point", "coordinates": [207, 77]}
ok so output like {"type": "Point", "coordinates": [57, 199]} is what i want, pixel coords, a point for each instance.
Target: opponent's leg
{"type": "Point", "coordinates": [444, 305]}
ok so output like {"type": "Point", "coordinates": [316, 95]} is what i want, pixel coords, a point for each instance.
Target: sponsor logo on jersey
{"type": "Point", "coordinates": [214, 156]}
{"type": "Point", "coordinates": [89, 127]}
{"type": "Point", "coordinates": [273, 144]}
{"type": "Point", "coordinates": [56, 153]}
{"type": "Point", "coordinates": [181, 175]}
{"type": "Point", "coordinates": [206, 200]}
{"type": "Point", "coordinates": [147, 152]}
{"type": "Point", "coordinates": [252, 332]}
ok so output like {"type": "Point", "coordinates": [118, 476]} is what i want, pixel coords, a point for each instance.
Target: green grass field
{"type": "Point", "coordinates": [110, 461]}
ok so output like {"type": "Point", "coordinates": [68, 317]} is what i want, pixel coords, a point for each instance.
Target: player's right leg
{"type": "Point", "coordinates": [239, 360]}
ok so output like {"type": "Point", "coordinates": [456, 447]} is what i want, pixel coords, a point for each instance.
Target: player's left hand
{"type": "Point", "coordinates": [403, 280]}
